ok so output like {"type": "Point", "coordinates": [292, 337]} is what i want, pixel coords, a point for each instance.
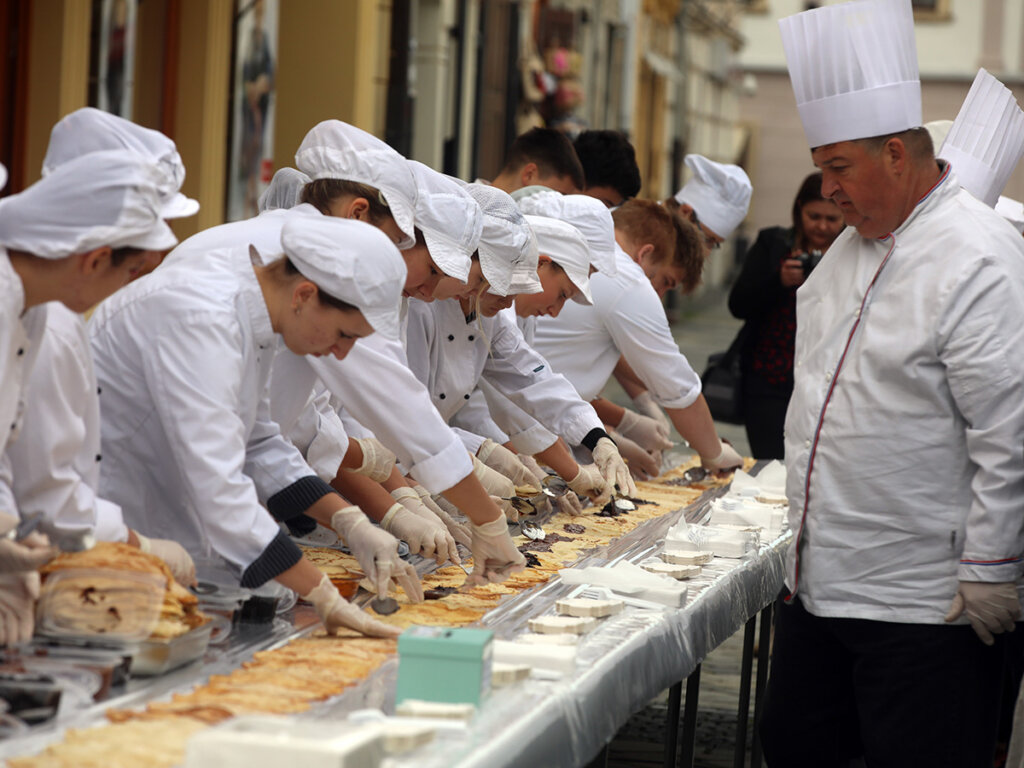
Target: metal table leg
{"type": "Point", "coordinates": [690, 718]}
{"type": "Point", "coordinates": [675, 693]}
{"type": "Point", "coordinates": [763, 657]}
{"type": "Point", "coordinates": [743, 711]}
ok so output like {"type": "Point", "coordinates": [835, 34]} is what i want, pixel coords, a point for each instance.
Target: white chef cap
{"type": "Point", "coordinates": [719, 193]}
{"type": "Point", "coordinates": [508, 247]}
{"type": "Point", "coordinates": [588, 214]}
{"type": "Point", "coordinates": [450, 220]}
{"type": "Point", "coordinates": [351, 261]}
{"type": "Point", "coordinates": [938, 130]}
{"type": "Point", "coordinates": [854, 71]}
{"type": "Point", "coordinates": [108, 198]}
{"type": "Point", "coordinates": [3, 176]}
{"type": "Point", "coordinates": [337, 150]}
{"type": "Point", "coordinates": [93, 130]}
{"type": "Point", "coordinates": [284, 190]}
{"type": "Point", "coordinates": [987, 139]}
{"type": "Point", "coordinates": [1011, 210]}
{"type": "Point", "coordinates": [566, 246]}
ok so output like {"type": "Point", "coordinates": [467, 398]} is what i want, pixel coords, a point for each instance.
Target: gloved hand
{"type": "Point", "coordinates": [336, 612]}
{"type": "Point", "coordinates": [458, 531]}
{"type": "Point", "coordinates": [535, 469]}
{"type": "Point", "coordinates": [646, 405]}
{"type": "Point", "coordinates": [501, 459]}
{"type": "Point", "coordinates": [26, 555]}
{"type": "Point", "coordinates": [590, 483]}
{"type": "Point", "coordinates": [174, 555]}
{"type": "Point", "coordinates": [726, 460]}
{"type": "Point", "coordinates": [495, 557]}
{"type": "Point", "coordinates": [507, 508]}
{"type": "Point", "coordinates": [378, 461]}
{"type": "Point", "coordinates": [424, 533]}
{"type": "Point", "coordinates": [495, 483]}
{"type": "Point", "coordinates": [642, 464]}
{"type": "Point", "coordinates": [646, 432]}
{"type": "Point", "coordinates": [18, 594]}
{"type": "Point", "coordinates": [377, 553]}
{"type": "Point", "coordinates": [614, 469]}
{"type": "Point", "coordinates": [569, 503]}
{"type": "Point", "coordinates": [990, 607]}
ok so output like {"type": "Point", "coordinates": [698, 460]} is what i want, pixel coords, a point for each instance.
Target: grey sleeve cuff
{"type": "Point", "coordinates": [298, 497]}
{"type": "Point", "coordinates": [280, 555]}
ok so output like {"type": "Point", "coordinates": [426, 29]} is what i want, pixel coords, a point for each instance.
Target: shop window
{"type": "Point", "coordinates": [933, 10]}
{"type": "Point", "coordinates": [112, 56]}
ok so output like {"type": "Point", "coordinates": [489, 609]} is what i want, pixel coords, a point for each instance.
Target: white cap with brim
{"type": "Point", "coordinates": [588, 214]}
{"type": "Point", "coordinates": [566, 246]}
{"type": "Point", "coordinates": [351, 261]}
{"type": "Point", "coordinates": [101, 199]}
{"type": "Point", "coordinates": [986, 141]}
{"type": "Point", "coordinates": [284, 191]}
{"type": "Point", "coordinates": [508, 248]}
{"type": "Point", "coordinates": [1011, 210]}
{"type": "Point", "coordinates": [450, 220]}
{"type": "Point", "coordinates": [337, 150]}
{"type": "Point", "coordinates": [92, 130]}
{"type": "Point", "coordinates": [853, 67]}
{"type": "Point", "coordinates": [719, 193]}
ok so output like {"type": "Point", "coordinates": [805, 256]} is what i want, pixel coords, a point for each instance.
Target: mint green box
{"type": "Point", "coordinates": [447, 665]}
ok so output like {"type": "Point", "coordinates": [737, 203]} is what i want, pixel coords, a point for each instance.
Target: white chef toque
{"type": "Point", "coordinates": [93, 130]}
{"type": "Point", "coordinates": [508, 247]}
{"type": "Point", "coordinates": [350, 260]}
{"type": "Point", "coordinates": [588, 214]}
{"type": "Point", "coordinates": [284, 190]}
{"type": "Point", "coordinates": [566, 246]}
{"type": "Point", "coordinates": [336, 150]}
{"type": "Point", "coordinates": [1011, 210]}
{"type": "Point", "coordinates": [719, 193]}
{"type": "Point", "coordinates": [854, 71]}
{"type": "Point", "coordinates": [450, 220]}
{"type": "Point", "coordinates": [108, 198]}
{"type": "Point", "coordinates": [987, 139]}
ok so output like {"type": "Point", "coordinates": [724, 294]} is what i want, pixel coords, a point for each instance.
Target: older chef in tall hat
{"type": "Point", "coordinates": [905, 433]}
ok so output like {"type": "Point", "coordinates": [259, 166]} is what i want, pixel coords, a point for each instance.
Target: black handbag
{"type": "Point", "coordinates": [722, 382]}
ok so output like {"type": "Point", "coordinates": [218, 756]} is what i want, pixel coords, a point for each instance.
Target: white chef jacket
{"type": "Point", "coordinates": [628, 320]}
{"type": "Point", "coordinates": [20, 332]}
{"type": "Point", "coordinates": [917, 478]}
{"type": "Point", "coordinates": [373, 381]}
{"type": "Point", "coordinates": [56, 460]}
{"type": "Point", "coordinates": [189, 449]}
{"type": "Point", "coordinates": [450, 355]}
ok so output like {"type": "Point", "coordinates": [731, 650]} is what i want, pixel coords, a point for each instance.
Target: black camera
{"type": "Point", "coordinates": [809, 260]}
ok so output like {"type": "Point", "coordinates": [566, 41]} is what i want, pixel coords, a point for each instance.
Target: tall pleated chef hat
{"type": "Point", "coordinates": [588, 214]}
{"type": "Point", "coordinates": [284, 190]}
{"type": "Point", "coordinates": [987, 139]}
{"type": "Point", "coordinates": [450, 220]}
{"type": "Point", "coordinates": [92, 130]}
{"type": "Point", "coordinates": [508, 247]}
{"type": "Point", "coordinates": [349, 260]}
{"type": "Point", "coordinates": [719, 193]}
{"type": "Point", "coordinates": [566, 246]}
{"type": "Point", "coordinates": [336, 150]}
{"type": "Point", "coordinates": [1011, 210]}
{"type": "Point", "coordinates": [109, 198]}
{"type": "Point", "coordinates": [854, 71]}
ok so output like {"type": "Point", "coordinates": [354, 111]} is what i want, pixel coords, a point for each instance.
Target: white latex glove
{"type": "Point", "coordinates": [650, 434]}
{"type": "Point", "coordinates": [590, 482]}
{"type": "Point", "coordinates": [535, 468]}
{"type": "Point", "coordinates": [511, 512]}
{"type": "Point", "coordinates": [501, 459]}
{"type": "Point", "coordinates": [378, 461]}
{"type": "Point", "coordinates": [495, 483]}
{"type": "Point", "coordinates": [424, 533]}
{"type": "Point", "coordinates": [26, 555]}
{"type": "Point", "coordinates": [495, 556]}
{"type": "Point", "coordinates": [570, 504]}
{"type": "Point", "coordinates": [18, 593]}
{"type": "Point", "coordinates": [991, 608]}
{"type": "Point", "coordinates": [336, 612]}
{"type": "Point", "coordinates": [377, 553]}
{"type": "Point", "coordinates": [646, 405]}
{"type": "Point", "coordinates": [642, 465]}
{"type": "Point", "coordinates": [174, 555]}
{"type": "Point", "coordinates": [614, 469]}
{"type": "Point", "coordinates": [726, 460]}
{"type": "Point", "coordinates": [459, 532]}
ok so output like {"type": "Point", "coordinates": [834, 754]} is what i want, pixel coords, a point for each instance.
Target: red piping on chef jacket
{"type": "Point", "coordinates": [832, 386]}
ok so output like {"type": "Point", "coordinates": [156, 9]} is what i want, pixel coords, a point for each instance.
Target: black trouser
{"type": "Point", "coordinates": [899, 694]}
{"type": "Point", "coordinates": [764, 415]}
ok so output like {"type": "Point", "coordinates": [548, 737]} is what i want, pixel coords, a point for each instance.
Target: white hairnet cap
{"type": "Point", "coordinates": [284, 190]}
{"type": "Point", "coordinates": [588, 214]}
{"type": "Point", "coordinates": [450, 220]}
{"type": "Point", "coordinates": [92, 130]}
{"type": "Point", "coordinates": [566, 246]}
{"type": "Point", "coordinates": [106, 198]}
{"type": "Point", "coordinates": [1011, 210]}
{"type": "Point", "coordinates": [508, 248]}
{"type": "Point", "coordinates": [854, 70]}
{"type": "Point", "coordinates": [719, 193]}
{"type": "Point", "coordinates": [351, 261]}
{"type": "Point", "coordinates": [987, 139]}
{"type": "Point", "coordinates": [3, 176]}
{"type": "Point", "coordinates": [337, 150]}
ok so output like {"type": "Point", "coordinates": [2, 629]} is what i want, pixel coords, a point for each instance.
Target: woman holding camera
{"type": "Point", "coordinates": [764, 295]}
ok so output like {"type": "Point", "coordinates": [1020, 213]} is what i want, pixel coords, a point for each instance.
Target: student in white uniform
{"type": "Point", "coordinates": [56, 462]}
{"type": "Point", "coordinates": [74, 238]}
{"type": "Point", "coordinates": [184, 359]}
